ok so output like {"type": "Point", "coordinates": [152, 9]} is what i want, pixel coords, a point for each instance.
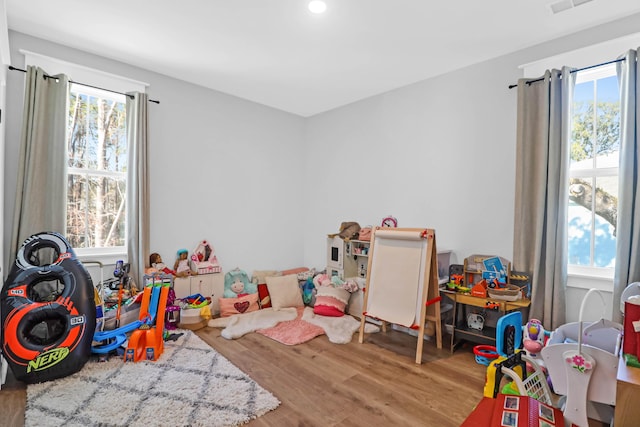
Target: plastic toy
{"type": "Point", "coordinates": [204, 259]}
{"type": "Point", "coordinates": [479, 289]}
{"type": "Point", "coordinates": [122, 273]}
{"type": "Point", "coordinates": [484, 354]}
{"type": "Point", "coordinates": [492, 305]}
{"type": "Point", "coordinates": [195, 301]}
{"type": "Point", "coordinates": [147, 342]}
{"type": "Point", "coordinates": [458, 279]}
{"type": "Point", "coordinates": [172, 316]}
{"type": "Point", "coordinates": [495, 284]}
{"type": "Point", "coordinates": [45, 337]}
{"type": "Point", "coordinates": [533, 338]}
{"type": "Point", "coordinates": [475, 321]}
{"type": "Point", "coordinates": [513, 363]}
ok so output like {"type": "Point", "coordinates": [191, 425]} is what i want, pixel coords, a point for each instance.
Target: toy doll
{"type": "Point", "coordinates": [156, 265]}
{"type": "Point", "coordinates": [181, 265]}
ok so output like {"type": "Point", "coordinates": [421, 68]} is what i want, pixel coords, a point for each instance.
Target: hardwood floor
{"type": "Point", "coordinates": [320, 383]}
{"type": "Point", "coordinates": [13, 398]}
{"type": "Point", "coordinates": [371, 384]}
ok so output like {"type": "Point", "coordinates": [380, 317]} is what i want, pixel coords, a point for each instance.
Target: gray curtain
{"type": "Point", "coordinates": [137, 185]}
{"type": "Point", "coordinates": [628, 228]}
{"type": "Point", "coordinates": [41, 191]}
{"type": "Point", "coordinates": [541, 199]}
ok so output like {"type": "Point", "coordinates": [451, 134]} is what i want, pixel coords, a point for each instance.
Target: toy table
{"type": "Point", "coordinates": [463, 303]}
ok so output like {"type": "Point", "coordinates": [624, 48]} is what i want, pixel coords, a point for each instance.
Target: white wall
{"type": "Point", "coordinates": [221, 168]}
{"type": "Point", "coordinates": [439, 153]}
{"type": "Point", "coordinates": [434, 154]}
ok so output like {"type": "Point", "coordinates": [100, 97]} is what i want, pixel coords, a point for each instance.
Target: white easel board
{"type": "Point", "coordinates": [402, 278]}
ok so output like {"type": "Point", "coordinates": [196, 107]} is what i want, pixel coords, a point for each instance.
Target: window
{"type": "Point", "coordinates": [593, 173]}
{"type": "Point", "coordinates": [97, 157]}
{"type": "Point", "coordinates": [97, 166]}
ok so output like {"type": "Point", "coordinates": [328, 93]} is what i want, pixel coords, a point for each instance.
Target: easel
{"type": "Point", "coordinates": [402, 284]}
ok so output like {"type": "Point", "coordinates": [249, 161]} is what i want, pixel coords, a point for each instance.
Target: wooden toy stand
{"type": "Point", "coordinates": [402, 284]}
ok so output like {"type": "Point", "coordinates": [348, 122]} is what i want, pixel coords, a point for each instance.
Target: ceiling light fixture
{"type": "Point", "coordinates": [317, 6]}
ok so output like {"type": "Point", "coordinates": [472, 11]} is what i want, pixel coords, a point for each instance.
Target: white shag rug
{"type": "Point", "coordinates": [339, 330]}
{"type": "Point", "coordinates": [190, 385]}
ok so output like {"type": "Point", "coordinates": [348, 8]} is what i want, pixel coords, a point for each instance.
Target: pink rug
{"type": "Point", "coordinates": [292, 332]}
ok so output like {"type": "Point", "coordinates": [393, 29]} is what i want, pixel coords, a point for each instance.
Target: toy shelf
{"type": "Point", "coordinates": [360, 252]}
{"type": "Point", "coordinates": [473, 268]}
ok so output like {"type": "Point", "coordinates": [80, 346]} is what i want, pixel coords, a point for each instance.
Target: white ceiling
{"type": "Point", "coordinates": [277, 53]}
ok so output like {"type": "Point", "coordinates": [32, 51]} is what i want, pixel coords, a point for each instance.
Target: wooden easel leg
{"type": "Point", "coordinates": [439, 331]}
{"type": "Point", "coordinates": [420, 344]}
{"type": "Point", "coordinates": [361, 334]}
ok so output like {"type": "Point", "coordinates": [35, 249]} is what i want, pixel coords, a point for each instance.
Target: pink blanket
{"type": "Point", "coordinates": [292, 332]}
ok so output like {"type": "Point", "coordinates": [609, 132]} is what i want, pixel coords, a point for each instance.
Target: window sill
{"type": "Point", "coordinates": [584, 281]}
{"type": "Point", "coordinates": [102, 258]}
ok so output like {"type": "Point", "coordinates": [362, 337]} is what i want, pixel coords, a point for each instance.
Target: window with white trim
{"type": "Point", "coordinates": [593, 172]}
{"type": "Point", "coordinates": [96, 170]}
{"type": "Point", "coordinates": [96, 183]}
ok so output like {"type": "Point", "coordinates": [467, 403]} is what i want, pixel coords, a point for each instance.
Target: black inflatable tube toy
{"type": "Point", "coordinates": [47, 338]}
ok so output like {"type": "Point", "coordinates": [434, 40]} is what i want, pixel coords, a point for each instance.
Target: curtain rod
{"type": "Point", "coordinates": [573, 71]}
{"type": "Point", "coordinates": [11, 67]}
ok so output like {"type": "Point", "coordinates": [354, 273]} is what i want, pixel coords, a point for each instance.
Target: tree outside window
{"type": "Point", "coordinates": [593, 186]}
{"type": "Point", "coordinates": [97, 166]}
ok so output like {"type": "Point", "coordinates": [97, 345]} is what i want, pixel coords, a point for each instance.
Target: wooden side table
{"type": "Point", "coordinates": [627, 412]}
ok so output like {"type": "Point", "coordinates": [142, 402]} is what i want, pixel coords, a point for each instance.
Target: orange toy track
{"type": "Point", "coordinates": [147, 342]}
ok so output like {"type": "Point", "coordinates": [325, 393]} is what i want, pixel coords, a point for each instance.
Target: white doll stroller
{"type": "Point", "coordinates": [582, 361]}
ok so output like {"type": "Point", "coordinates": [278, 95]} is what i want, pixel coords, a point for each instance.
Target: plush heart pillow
{"type": "Point", "coordinates": [240, 305]}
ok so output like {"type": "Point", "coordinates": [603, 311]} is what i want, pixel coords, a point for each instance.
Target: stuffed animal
{"type": "Point", "coordinates": [308, 292]}
{"type": "Point", "coordinates": [237, 284]}
{"type": "Point", "coordinates": [321, 280]}
{"type": "Point", "coordinates": [348, 230]}
{"type": "Point", "coordinates": [324, 280]}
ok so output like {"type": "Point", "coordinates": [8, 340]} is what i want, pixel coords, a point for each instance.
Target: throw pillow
{"type": "Point", "coordinates": [325, 310]}
{"type": "Point", "coordinates": [263, 293]}
{"type": "Point", "coordinates": [284, 291]}
{"type": "Point", "coordinates": [258, 277]}
{"type": "Point", "coordinates": [245, 304]}
{"type": "Point", "coordinates": [294, 271]}
{"type": "Point", "coordinates": [331, 301]}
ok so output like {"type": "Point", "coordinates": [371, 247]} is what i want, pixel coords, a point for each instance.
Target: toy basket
{"type": "Point", "coordinates": [510, 293]}
{"type": "Point", "coordinates": [485, 354]}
